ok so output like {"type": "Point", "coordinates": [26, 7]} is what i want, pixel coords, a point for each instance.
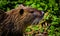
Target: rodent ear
{"type": "Point", "coordinates": [21, 11]}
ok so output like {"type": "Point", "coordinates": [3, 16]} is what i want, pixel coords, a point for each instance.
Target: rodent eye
{"type": "Point", "coordinates": [32, 12]}
{"type": "Point", "coordinates": [21, 11]}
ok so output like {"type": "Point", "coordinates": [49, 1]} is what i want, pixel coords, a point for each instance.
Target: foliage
{"type": "Point", "coordinates": [50, 6]}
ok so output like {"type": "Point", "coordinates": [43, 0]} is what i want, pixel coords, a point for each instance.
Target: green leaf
{"type": "Point", "coordinates": [41, 30]}
{"type": "Point", "coordinates": [38, 5]}
{"type": "Point", "coordinates": [46, 7]}
{"type": "Point", "coordinates": [33, 5]}
{"type": "Point", "coordinates": [52, 27]}
{"type": "Point", "coordinates": [35, 28]}
{"type": "Point", "coordinates": [28, 30]}
{"type": "Point", "coordinates": [54, 23]}
{"type": "Point", "coordinates": [42, 4]}
{"type": "Point", "coordinates": [56, 8]}
{"type": "Point", "coordinates": [21, 1]}
{"type": "Point", "coordinates": [40, 8]}
{"type": "Point", "coordinates": [28, 2]}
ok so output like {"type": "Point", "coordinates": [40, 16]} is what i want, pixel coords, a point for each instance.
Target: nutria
{"type": "Point", "coordinates": [14, 22]}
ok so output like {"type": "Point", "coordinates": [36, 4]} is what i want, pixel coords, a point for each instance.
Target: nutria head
{"type": "Point", "coordinates": [18, 19]}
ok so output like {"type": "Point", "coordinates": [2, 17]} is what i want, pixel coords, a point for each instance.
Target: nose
{"type": "Point", "coordinates": [39, 14]}
{"type": "Point", "coordinates": [42, 14]}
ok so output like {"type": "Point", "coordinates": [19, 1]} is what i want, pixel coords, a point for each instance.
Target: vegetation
{"type": "Point", "coordinates": [50, 8]}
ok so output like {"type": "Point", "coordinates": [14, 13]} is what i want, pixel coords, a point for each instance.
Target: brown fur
{"type": "Point", "coordinates": [13, 23]}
